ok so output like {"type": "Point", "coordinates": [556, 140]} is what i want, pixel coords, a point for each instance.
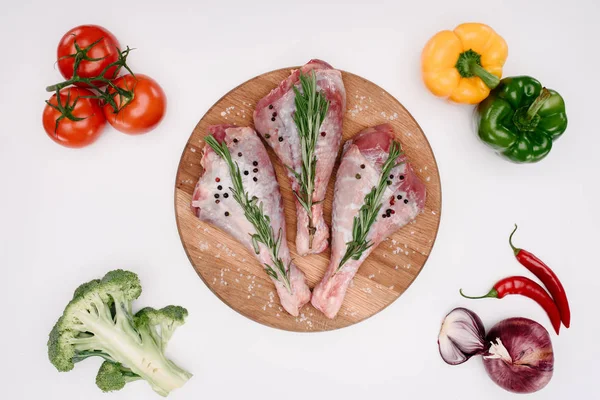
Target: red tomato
{"type": "Point", "coordinates": [106, 50]}
{"type": "Point", "coordinates": [144, 111]}
{"type": "Point", "coordinates": [71, 133]}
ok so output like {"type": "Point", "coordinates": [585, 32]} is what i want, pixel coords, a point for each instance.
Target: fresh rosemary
{"type": "Point", "coordinates": [370, 209]}
{"type": "Point", "coordinates": [311, 109]}
{"type": "Point", "coordinates": [253, 210]}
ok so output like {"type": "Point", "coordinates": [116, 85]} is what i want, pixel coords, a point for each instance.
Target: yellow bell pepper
{"type": "Point", "coordinates": [465, 64]}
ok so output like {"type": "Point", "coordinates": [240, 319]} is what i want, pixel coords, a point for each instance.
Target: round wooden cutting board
{"type": "Point", "coordinates": [233, 273]}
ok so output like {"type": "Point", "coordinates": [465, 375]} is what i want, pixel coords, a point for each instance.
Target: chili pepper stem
{"type": "Point", "coordinates": [491, 294]}
{"type": "Point", "coordinates": [469, 65]}
{"type": "Point", "coordinates": [516, 250]}
{"type": "Point", "coordinates": [538, 103]}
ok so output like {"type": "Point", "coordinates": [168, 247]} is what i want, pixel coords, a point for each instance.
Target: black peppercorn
{"type": "Point", "coordinates": [391, 176]}
{"type": "Point", "coordinates": [267, 136]}
{"type": "Point", "coordinates": [226, 195]}
{"type": "Point", "coordinates": [246, 172]}
{"type": "Point", "coordinates": [357, 176]}
{"type": "Point", "coordinates": [219, 187]}
{"type": "Point", "coordinates": [399, 197]}
{"type": "Point", "coordinates": [280, 139]}
{"type": "Point", "coordinates": [362, 166]}
{"type": "Point", "coordinates": [275, 114]}
{"type": "Point", "coordinates": [401, 177]}
{"type": "Point", "coordinates": [255, 170]}
{"type": "Point", "coordinates": [273, 119]}
{"type": "Point", "coordinates": [216, 195]}
{"type": "Point", "coordinates": [270, 106]}
{"type": "Point", "coordinates": [255, 163]}
{"type": "Point", "coordinates": [235, 140]}
{"type": "Point", "coordinates": [383, 216]}
{"type": "Point", "coordinates": [323, 134]}
{"type": "Point", "coordinates": [405, 201]}
{"type": "Point", "coordinates": [239, 154]}
{"type": "Point", "coordinates": [227, 213]}
{"type": "Point", "coordinates": [255, 179]}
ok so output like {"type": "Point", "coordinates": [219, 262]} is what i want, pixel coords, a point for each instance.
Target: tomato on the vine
{"type": "Point", "coordinates": [141, 112]}
{"type": "Point", "coordinates": [72, 119]}
{"type": "Point", "coordinates": [95, 46]}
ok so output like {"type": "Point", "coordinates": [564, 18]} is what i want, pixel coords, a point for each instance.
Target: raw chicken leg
{"type": "Point", "coordinates": [360, 170]}
{"type": "Point", "coordinates": [214, 202]}
{"type": "Point", "coordinates": [274, 120]}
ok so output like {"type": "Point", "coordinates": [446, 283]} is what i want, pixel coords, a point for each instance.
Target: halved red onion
{"type": "Point", "coordinates": [520, 358]}
{"type": "Point", "coordinates": [462, 336]}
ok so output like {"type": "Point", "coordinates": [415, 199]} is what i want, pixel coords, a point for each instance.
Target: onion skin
{"type": "Point", "coordinates": [531, 363]}
{"type": "Point", "coordinates": [461, 336]}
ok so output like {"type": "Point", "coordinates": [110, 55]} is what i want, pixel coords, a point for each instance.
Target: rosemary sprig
{"type": "Point", "coordinates": [311, 109]}
{"type": "Point", "coordinates": [370, 209]}
{"type": "Point", "coordinates": [253, 211]}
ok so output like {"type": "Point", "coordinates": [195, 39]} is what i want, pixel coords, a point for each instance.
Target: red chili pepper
{"type": "Point", "coordinates": [548, 278]}
{"type": "Point", "coordinates": [528, 288]}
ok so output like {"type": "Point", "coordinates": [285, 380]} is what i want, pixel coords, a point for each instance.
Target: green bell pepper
{"type": "Point", "coordinates": [520, 119]}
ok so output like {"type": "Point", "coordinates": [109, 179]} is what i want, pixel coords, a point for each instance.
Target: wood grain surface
{"type": "Point", "coordinates": [234, 275]}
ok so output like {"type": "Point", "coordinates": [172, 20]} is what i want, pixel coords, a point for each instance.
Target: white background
{"type": "Point", "coordinates": [67, 216]}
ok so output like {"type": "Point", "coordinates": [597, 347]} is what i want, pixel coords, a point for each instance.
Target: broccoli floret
{"type": "Point", "coordinates": [98, 321]}
{"type": "Point", "coordinates": [161, 323]}
{"type": "Point", "coordinates": [113, 376]}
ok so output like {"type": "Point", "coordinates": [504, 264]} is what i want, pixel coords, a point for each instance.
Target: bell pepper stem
{"type": "Point", "coordinates": [538, 103]}
{"type": "Point", "coordinates": [516, 250]}
{"type": "Point", "coordinates": [492, 294]}
{"type": "Point", "coordinates": [487, 77]}
{"type": "Point", "coordinates": [469, 65]}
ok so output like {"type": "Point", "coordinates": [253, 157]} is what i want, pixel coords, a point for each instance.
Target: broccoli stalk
{"type": "Point", "coordinates": [99, 322]}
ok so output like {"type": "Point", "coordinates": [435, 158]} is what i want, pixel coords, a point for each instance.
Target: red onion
{"type": "Point", "coordinates": [461, 336]}
{"type": "Point", "coordinates": [520, 358]}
